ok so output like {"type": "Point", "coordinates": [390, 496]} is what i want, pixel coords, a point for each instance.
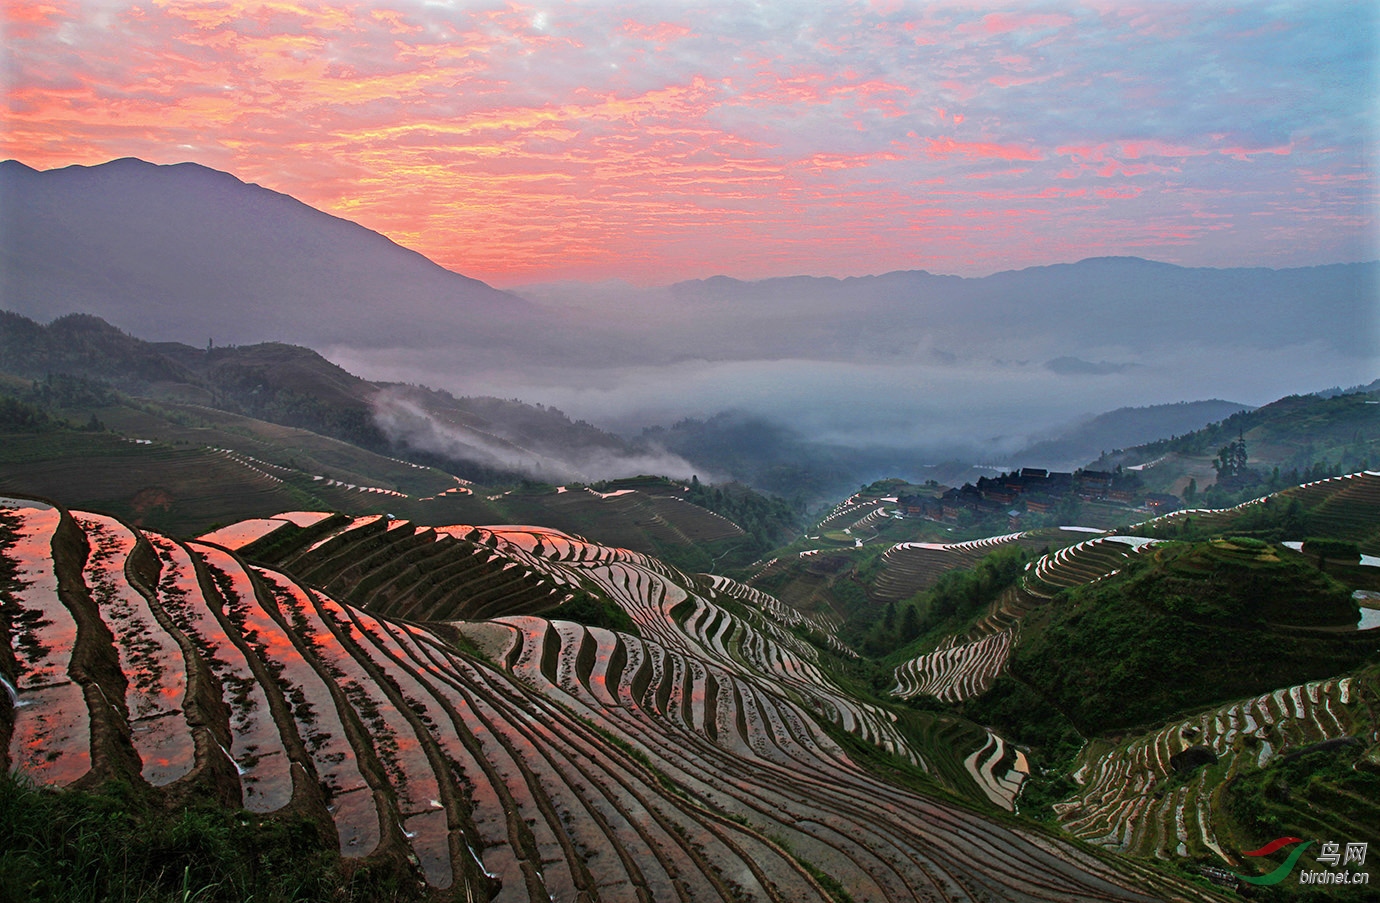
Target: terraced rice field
{"type": "Point", "coordinates": [1127, 801]}
{"type": "Point", "coordinates": [850, 512]}
{"type": "Point", "coordinates": [564, 763]}
{"type": "Point", "coordinates": [772, 607]}
{"type": "Point", "coordinates": [999, 771]}
{"type": "Point", "coordinates": [628, 517]}
{"type": "Point", "coordinates": [150, 658]}
{"type": "Point", "coordinates": [1344, 507]}
{"type": "Point", "coordinates": [956, 671]}
{"type": "Point", "coordinates": [912, 567]}
{"type": "Point", "coordinates": [395, 567]}
{"type": "Point", "coordinates": [965, 666]}
{"type": "Point", "coordinates": [1086, 562]}
{"type": "Point", "coordinates": [52, 741]}
{"type": "Point", "coordinates": [155, 485]}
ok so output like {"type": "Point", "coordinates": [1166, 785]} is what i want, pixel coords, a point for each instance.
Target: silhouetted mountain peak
{"type": "Point", "coordinates": [181, 251]}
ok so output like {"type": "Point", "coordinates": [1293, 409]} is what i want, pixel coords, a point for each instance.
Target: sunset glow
{"type": "Point", "coordinates": [655, 142]}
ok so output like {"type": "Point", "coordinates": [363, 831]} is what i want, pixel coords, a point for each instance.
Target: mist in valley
{"type": "Point", "coordinates": [413, 426]}
{"type": "Point", "coordinates": [939, 368]}
{"type": "Point", "coordinates": [903, 368]}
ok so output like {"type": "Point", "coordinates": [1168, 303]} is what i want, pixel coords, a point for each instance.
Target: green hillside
{"type": "Point", "coordinates": [1183, 626]}
{"type": "Point", "coordinates": [1289, 441]}
{"type": "Point", "coordinates": [484, 439]}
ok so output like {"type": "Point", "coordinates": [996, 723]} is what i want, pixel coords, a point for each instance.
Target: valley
{"type": "Point", "coordinates": [443, 689]}
{"type": "Point", "coordinates": [830, 589]}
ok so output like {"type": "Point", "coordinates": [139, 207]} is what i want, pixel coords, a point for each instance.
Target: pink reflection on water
{"type": "Point", "coordinates": [51, 740]}
{"type": "Point", "coordinates": [256, 747]}
{"type": "Point", "coordinates": [239, 535]}
{"type": "Point", "coordinates": [152, 662]}
{"type": "Point", "coordinates": [44, 631]}
{"type": "Point", "coordinates": [303, 518]}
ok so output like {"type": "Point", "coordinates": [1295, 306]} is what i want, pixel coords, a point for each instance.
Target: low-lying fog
{"type": "Point", "coordinates": [944, 366]}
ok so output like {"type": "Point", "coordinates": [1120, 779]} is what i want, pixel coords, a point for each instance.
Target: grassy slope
{"type": "Point", "coordinates": [177, 483]}
{"type": "Point", "coordinates": [1184, 627]}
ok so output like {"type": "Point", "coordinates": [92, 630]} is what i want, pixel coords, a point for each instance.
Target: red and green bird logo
{"type": "Point", "coordinates": [1285, 867]}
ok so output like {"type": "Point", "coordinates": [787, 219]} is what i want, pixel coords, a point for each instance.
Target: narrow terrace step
{"type": "Point", "coordinates": [155, 669]}
{"type": "Point", "coordinates": [51, 735]}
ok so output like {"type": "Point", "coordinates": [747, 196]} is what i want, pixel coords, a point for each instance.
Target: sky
{"type": "Point", "coordinates": [655, 142]}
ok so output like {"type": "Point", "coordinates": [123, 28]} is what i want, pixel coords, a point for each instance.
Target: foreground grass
{"type": "Point", "coordinates": [108, 845]}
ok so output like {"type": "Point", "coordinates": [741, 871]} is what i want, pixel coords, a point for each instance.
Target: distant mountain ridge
{"type": "Point", "coordinates": [175, 253]}
{"type": "Point", "coordinates": [1096, 302]}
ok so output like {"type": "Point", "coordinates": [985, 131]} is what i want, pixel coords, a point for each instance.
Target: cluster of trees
{"type": "Point", "coordinates": [257, 392]}
{"type": "Point", "coordinates": [1230, 463]}
{"type": "Point", "coordinates": [1274, 520]}
{"type": "Point", "coordinates": [59, 390]}
{"type": "Point", "coordinates": [1249, 483]}
{"type": "Point", "coordinates": [18, 417]}
{"type": "Point", "coordinates": [593, 611]}
{"type": "Point", "coordinates": [768, 520]}
{"type": "Point", "coordinates": [956, 598]}
{"type": "Point", "coordinates": [1325, 550]}
{"type": "Point", "coordinates": [33, 409]}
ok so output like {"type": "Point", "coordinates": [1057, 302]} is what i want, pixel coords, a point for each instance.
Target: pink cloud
{"type": "Point", "coordinates": [1013, 81]}
{"type": "Point", "coordinates": [659, 33]}
{"type": "Point", "coordinates": [961, 91]}
{"type": "Point", "coordinates": [1333, 178]}
{"type": "Point", "coordinates": [1112, 168]}
{"type": "Point", "coordinates": [947, 147]}
{"type": "Point", "coordinates": [995, 173]}
{"type": "Point", "coordinates": [847, 161]}
{"type": "Point", "coordinates": [33, 15]}
{"type": "Point", "coordinates": [1131, 149]}
{"type": "Point", "coordinates": [1151, 148]}
{"type": "Point", "coordinates": [509, 146]}
{"type": "Point", "coordinates": [1003, 23]}
{"type": "Point", "coordinates": [1245, 153]}
{"type": "Point", "coordinates": [395, 21]}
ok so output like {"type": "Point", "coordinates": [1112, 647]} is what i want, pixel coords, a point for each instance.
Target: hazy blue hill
{"type": "Point", "coordinates": [83, 345]}
{"type": "Point", "coordinates": [778, 459]}
{"type": "Point", "coordinates": [271, 368]}
{"type": "Point", "coordinates": [184, 252]}
{"type": "Point", "coordinates": [1123, 428]}
{"type": "Point", "coordinates": [1097, 302]}
{"type": "Point", "coordinates": [1336, 431]}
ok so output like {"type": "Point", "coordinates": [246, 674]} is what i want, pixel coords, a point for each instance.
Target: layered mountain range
{"type": "Point", "coordinates": [941, 366]}
{"type": "Point", "coordinates": [277, 625]}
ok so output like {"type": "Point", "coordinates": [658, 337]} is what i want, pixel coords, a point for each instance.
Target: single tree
{"type": "Point", "coordinates": [910, 624]}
